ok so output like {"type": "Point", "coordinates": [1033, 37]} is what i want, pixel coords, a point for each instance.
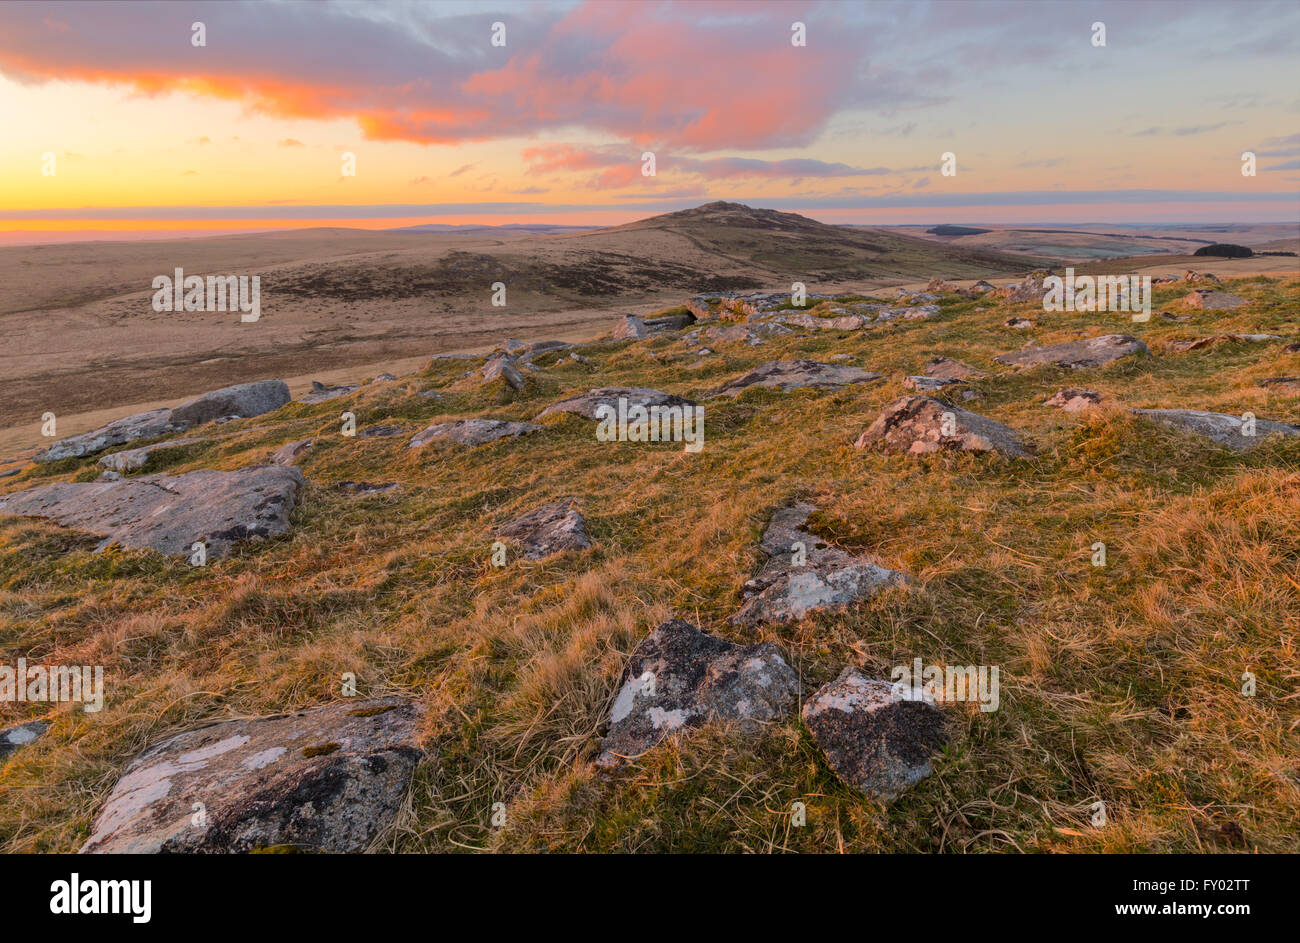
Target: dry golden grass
{"type": "Point", "coordinates": [1119, 684]}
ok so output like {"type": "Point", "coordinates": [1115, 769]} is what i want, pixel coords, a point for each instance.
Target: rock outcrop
{"type": "Point", "coordinates": [289, 453]}
{"type": "Point", "coordinates": [918, 425]}
{"type": "Point", "coordinates": [787, 375]}
{"type": "Point", "coordinates": [551, 528]}
{"type": "Point", "coordinates": [803, 574]}
{"type": "Point", "coordinates": [1092, 352]}
{"type": "Point", "coordinates": [1074, 401]}
{"type": "Point", "coordinates": [471, 432]}
{"type": "Point", "coordinates": [321, 393]}
{"type": "Point", "coordinates": [631, 328]}
{"type": "Point", "coordinates": [505, 368]}
{"type": "Point", "coordinates": [169, 513]}
{"type": "Point", "coordinates": [130, 460]}
{"type": "Point", "coordinates": [1212, 300]}
{"type": "Point", "coordinates": [327, 779]}
{"type": "Point", "coordinates": [242, 400]}
{"type": "Point", "coordinates": [586, 404]}
{"type": "Point", "coordinates": [680, 677]}
{"type": "Point", "coordinates": [146, 425]}
{"type": "Point", "coordinates": [873, 737]}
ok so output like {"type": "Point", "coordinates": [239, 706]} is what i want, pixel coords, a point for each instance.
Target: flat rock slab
{"type": "Point", "coordinates": [320, 393]}
{"type": "Point", "coordinates": [917, 425]}
{"type": "Point", "coordinates": [1074, 401]}
{"type": "Point", "coordinates": [131, 460]}
{"type": "Point", "coordinates": [1092, 352]}
{"type": "Point", "coordinates": [551, 528]}
{"type": "Point", "coordinates": [327, 779]}
{"type": "Point", "coordinates": [146, 425]}
{"type": "Point", "coordinates": [846, 322]}
{"type": "Point", "coordinates": [243, 400]}
{"type": "Point", "coordinates": [169, 513]}
{"type": "Point", "coordinates": [586, 404]}
{"type": "Point", "coordinates": [787, 375]}
{"type": "Point", "coordinates": [680, 677]}
{"type": "Point", "coordinates": [1219, 427]}
{"type": "Point", "coordinates": [803, 574]}
{"type": "Point", "coordinates": [11, 738]}
{"type": "Point", "coordinates": [875, 739]}
{"type": "Point", "coordinates": [1213, 300]}
{"type": "Point", "coordinates": [471, 432]}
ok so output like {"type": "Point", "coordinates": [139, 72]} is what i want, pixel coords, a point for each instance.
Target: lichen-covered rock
{"type": "Point", "coordinates": [130, 460]}
{"type": "Point", "coordinates": [146, 425]}
{"type": "Point", "coordinates": [471, 432]}
{"type": "Point", "coordinates": [787, 375]}
{"type": "Point", "coordinates": [327, 779]}
{"type": "Point", "coordinates": [802, 573]}
{"type": "Point", "coordinates": [846, 322]}
{"type": "Point", "coordinates": [1230, 431]}
{"type": "Point", "coordinates": [918, 425]}
{"type": "Point", "coordinates": [586, 404]}
{"type": "Point", "coordinates": [242, 400]}
{"type": "Point", "coordinates": [1092, 352]}
{"type": "Point", "coordinates": [549, 529]}
{"type": "Point", "coordinates": [680, 677]}
{"type": "Point", "coordinates": [873, 737]}
{"type": "Point", "coordinates": [11, 738]}
{"type": "Point", "coordinates": [169, 513]}
{"type": "Point", "coordinates": [1074, 401]}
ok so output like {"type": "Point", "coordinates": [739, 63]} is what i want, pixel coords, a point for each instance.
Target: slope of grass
{"type": "Point", "coordinates": [1119, 684]}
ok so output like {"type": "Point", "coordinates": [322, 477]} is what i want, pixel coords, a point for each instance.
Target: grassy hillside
{"type": "Point", "coordinates": [1119, 684]}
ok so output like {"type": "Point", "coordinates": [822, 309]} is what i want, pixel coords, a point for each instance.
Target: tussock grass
{"type": "Point", "coordinates": [1119, 684]}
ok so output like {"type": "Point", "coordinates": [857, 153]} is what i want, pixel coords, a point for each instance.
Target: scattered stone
{"type": "Point", "coordinates": [1031, 288]}
{"type": "Point", "coordinates": [430, 394]}
{"type": "Point", "coordinates": [1184, 346]}
{"type": "Point", "coordinates": [288, 454]}
{"type": "Point", "coordinates": [541, 349]}
{"type": "Point", "coordinates": [384, 378]}
{"type": "Point", "coordinates": [11, 738]}
{"type": "Point", "coordinates": [1292, 348]}
{"type": "Point", "coordinates": [669, 322]}
{"type": "Point", "coordinates": [586, 404]}
{"type": "Point", "coordinates": [109, 476]}
{"type": "Point", "coordinates": [320, 392]}
{"type": "Point", "coordinates": [551, 528]}
{"type": "Point", "coordinates": [575, 356]}
{"type": "Point", "coordinates": [1074, 401]}
{"type": "Point", "coordinates": [1176, 318]}
{"type": "Point", "coordinates": [874, 738]}
{"type": "Point", "coordinates": [939, 285]}
{"type": "Point", "coordinates": [146, 425]}
{"type": "Point", "coordinates": [327, 779]}
{"type": "Point", "coordinates": [134, 459]}
{"type": "Point", "coordinates": [379, 432]}
{"type": "Point", "coordinates": [1219, 427]}
{"type": "Point", "coordinates": [242, 400]}
{"type": "Point", "coordinates": [981, 286]}
{"type": "Point", "coordinates": [1191, 276]}
{"type": "Point", "coordinates": [1092, 352]}
{"type": "Point", "coordinates": [927, 384]}
{"type": "Point", "coordinates": [506, 368]}
{"type": "Point", "coordinates": [680, 677]}
{"type": "Point", "coordinates": [368, 487]}
{"type": "Point", "coordinates": [942, 368]}
{"type": "Point", "coordinates": [793, 582]}
{"type": "Point", "coordinates": [787, 375]}
{"type": "Point", "coordinates": [915, 425]}
{"type": "Point", "coordinates": [910, 314]}
{"type": "Point", "coordinates": [848, 322]}
{"type": "Point", "coordinates": [631, 328]}
{"type": "Point", "coordinates": [1286, 384]}
{"type": "Point", "coordinates": [1019, 324]}
{"type": "Point", "coordinates": [471, 432]}
{"type": "Point", "coordinates": [168, 513]}
{"type": "Point", "coordinates": [700, 308]}
{"type": "Point", "coordinates": [1213, 300]}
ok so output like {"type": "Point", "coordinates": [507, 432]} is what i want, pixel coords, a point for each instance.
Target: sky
{"type": "Point", "coordinates": [118, 123]}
